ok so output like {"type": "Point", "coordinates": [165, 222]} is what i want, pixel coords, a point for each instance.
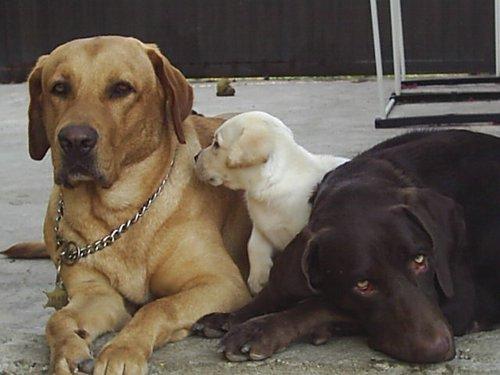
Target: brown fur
{"type": "Point", "coordinates": [27, 250]}
{"type": "Point", "coordinates": [175, 261]}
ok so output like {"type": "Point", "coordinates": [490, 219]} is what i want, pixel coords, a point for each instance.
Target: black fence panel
{"type": "Point", "coordinates": [257, 37]}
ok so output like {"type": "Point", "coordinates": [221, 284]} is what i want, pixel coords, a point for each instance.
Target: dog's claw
{"type": "Point", "coordinates": [257, 357]}
{"type": "Point", "coordinates": [197, 327]}
{"type": "Point", "coordinates": [233, 357]}
{"type": "Point", "coordinates": [86, 366]}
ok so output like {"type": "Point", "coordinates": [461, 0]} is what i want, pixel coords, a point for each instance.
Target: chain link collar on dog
{"type": "Point", "coordinates": [72, 253]}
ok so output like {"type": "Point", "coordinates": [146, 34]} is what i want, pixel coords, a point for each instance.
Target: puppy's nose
{"type": "Point", "coordinates": [77, 139]}
{"type": "Point", "coordinates": [196, 156]}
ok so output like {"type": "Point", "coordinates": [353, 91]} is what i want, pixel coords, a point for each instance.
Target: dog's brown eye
{"type": "Point", "coordinates": [364, 287]}
{"type": "Point", "coordinates": [419, 259]}
{"type": "Point", "coordinates": [60, 89]}
{"type": "Point", "coordinates": [120, 90]}
{"type": "Point", "coordinates": [419, 263]}
{"type": "Point", "coordinates": [216, 144]}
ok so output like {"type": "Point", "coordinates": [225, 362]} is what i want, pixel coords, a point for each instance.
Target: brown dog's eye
{"type": "Point", "coordinates": [419, 263]}
{"type": "Point", "coordinates": [364, 287]}
{"type": "Point", "coordinates": [216, 144]}
{"type": "Point", "coordinates": [120, 90]}
{"type": "Point", "coordinates": [60, 89]}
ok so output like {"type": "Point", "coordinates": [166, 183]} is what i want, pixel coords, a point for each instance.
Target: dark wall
{"type": "Point", "coordinates": [256, 37]}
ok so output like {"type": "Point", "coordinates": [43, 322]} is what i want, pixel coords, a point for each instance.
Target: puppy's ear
{"type": "Point", "coordinates": [38, 142]}
{"type": "Point", "coordinates": [178, 92]}
{"type": "Point", "coordinates": [442, 219]}
{"type": "Point", "coordinates": [251, 148]}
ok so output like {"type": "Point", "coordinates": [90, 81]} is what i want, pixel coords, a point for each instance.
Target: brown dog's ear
{"type": "Point", "coordinates": [251, 148]}
{"type": "Point", "coordinates": [178, 92]}
{"type": "Point", "coordinates": [442, 219]}
{"type": "Point", "coordinates": [38, 142]}
{"type": "Point", "coordinates": [290, 275]}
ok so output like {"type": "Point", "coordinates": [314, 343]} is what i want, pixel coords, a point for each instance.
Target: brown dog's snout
{"type": "Point", "coordinates": [439, 348]}
{"type": "Point", "coordinates": [77, 139]}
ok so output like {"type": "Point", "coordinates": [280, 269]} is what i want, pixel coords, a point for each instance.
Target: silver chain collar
{"type": "Point", "coordinates": [71, 252]}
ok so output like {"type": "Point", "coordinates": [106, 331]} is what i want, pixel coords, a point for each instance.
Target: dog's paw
{"type": "Point", "coordinates": [68, 354]}
{"type": "Point", "coordinates": [119, 360]}
{"type": "Point", "coordinates": [258, 279]}
{"type": "Point", "coordinates": [213, 325]}
{"type": "Point", "coordinates": [256, 339]}
{"type": "Point", "coordinates": [321, 334]}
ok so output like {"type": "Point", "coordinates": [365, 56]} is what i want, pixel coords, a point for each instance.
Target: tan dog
{"type": "Point", "coordinates": [115, 112]}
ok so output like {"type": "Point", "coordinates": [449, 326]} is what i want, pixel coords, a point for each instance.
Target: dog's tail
{"type": "Point", "coordinates": [27, 250]}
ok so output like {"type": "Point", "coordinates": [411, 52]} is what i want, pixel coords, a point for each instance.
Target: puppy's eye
{"type": "Point", "coordinates": [364, 287]}
{"type": "Point", "coordinates": [216, 144]}
{"type": "Point", "coordinates": [120, 90]}
{"type": "Point", "coordinates": [61, 89]}
{"type": "Point", "coordinates": [419, 263]}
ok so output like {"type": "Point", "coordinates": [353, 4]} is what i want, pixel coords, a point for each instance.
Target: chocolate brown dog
{"type": "Point", "coordinates": [403, 240]}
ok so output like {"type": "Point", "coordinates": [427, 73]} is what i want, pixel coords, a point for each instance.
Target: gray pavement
{"type": "Point", "coordinates": [326, 116]}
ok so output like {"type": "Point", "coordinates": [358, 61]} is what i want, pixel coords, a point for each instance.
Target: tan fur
{"type": "Point", "coordinates": [175, 261]}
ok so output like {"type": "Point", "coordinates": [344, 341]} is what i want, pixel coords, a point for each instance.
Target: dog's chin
{"type": "Point", "coordinates": [71, 178]}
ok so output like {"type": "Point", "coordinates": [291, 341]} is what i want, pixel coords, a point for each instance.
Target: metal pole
{"type": "Point", "coordinates": [401, 42]}
{"type": "Point", "coordinates": [395, 48]}
{"type": "Point", "coordinates": [378, 57]}
{"type": "Point", "coordinates": [497, 37]}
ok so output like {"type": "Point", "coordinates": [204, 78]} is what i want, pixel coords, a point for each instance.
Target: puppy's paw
{"type": "Point", "coordinates": [212, 325]}
{"type": "Point", "coordinates": [116, 359]}
{"type": "Point", "coordinates": [258, 279]}
{"type": "Point", "coordinates": [256, 339]}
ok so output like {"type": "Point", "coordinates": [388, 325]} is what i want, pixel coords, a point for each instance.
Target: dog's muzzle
{"type": "Point", "coordinates": [78, 161]}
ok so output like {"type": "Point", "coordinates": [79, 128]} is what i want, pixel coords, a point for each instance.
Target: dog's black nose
{"type": "Point", "coordinates": [77, 139]}
{"type": "Point", "coordinates": [196, 156]}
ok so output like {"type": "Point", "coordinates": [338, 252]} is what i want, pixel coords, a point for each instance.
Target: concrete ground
{"type": "Point", "coordinates": [327, 117]}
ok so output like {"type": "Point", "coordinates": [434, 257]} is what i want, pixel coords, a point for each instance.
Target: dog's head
{"type": "Point", "coordinates": [241, 150]}
{"type": "Point", "coordinates": [101, 104]}
{"type": "Point", "coordinates": [386, 256]}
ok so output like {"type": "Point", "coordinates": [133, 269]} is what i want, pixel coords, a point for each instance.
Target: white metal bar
{"type": "Point", "coordinates": [378, 57]}
{"type": "Point", "coordinates": [390, 105]}
{"type": "Point", "coordinates": [401, 42]}
{"type": "Point", "coordinates": [497, 37]}
{"type": "Point", "coordinates": [395, 48]}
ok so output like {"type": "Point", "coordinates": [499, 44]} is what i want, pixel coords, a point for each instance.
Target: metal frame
{"type": "Point", "coordinates": [400, 82]}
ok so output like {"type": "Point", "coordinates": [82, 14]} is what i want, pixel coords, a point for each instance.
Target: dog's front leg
{"type": "Point", "coordinates": [260, 253]}
{"type": "Point", "coordinates": [94, 308]}
{"type": "Point", "coordinates": [261, 337]}
{"type": "Point", "coordinates": [168, 319]}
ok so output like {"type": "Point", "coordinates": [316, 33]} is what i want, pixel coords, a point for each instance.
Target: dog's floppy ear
{"type": "Point", "coordinates": [178, 92]}
{"type": "Point", "coordinates": [251, 148]}
{"type": "Point", "coordinates": [442, 219]}
{"type": "Point", "coordinates": [290, 274]}
{"type": "Point", "coordinates": [38, 142]}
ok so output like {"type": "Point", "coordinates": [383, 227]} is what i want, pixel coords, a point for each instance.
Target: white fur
{"type": "Point", "coordinates": [277, 190]}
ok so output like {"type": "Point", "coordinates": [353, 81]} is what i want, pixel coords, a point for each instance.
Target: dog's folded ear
{"type": "Point", "coordinates": [178, 92]}
{"type": "Point", "coordinates": [292, 274]}
{"type": "Point", "coordinates": [38, 142]}
{"type": "Point", "coordinates": [250, 149]}
{"type": "Point", "coordinates": [442, 219]}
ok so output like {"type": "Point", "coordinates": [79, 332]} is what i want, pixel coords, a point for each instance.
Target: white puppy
{"type": "Point", "coordinates": [256, 152]}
